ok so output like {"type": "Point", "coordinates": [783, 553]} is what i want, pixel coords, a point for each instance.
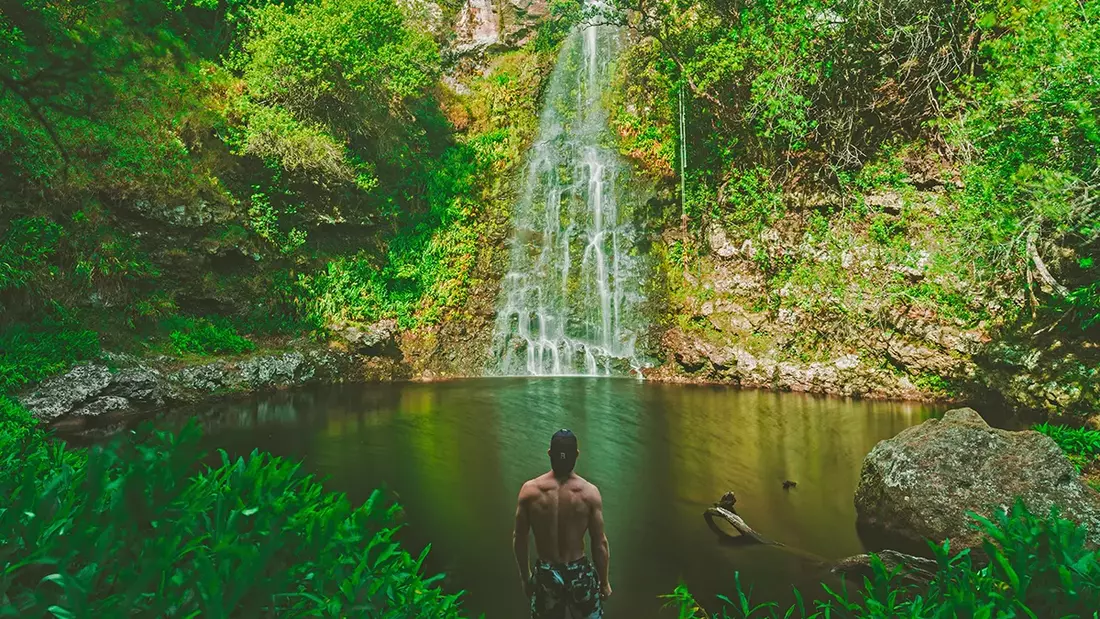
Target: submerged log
{"type": "Point", "coordinates": [914, 569]}
{"type": "Point", "coordinates": [724, 509]}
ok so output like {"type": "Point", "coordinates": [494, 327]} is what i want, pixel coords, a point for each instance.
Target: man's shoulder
{"type": "Point", "coordinates": [530, 488]}
{"type": "Point", "coordinates": [588, 488]}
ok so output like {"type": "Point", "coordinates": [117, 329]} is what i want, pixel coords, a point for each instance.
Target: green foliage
{"type": "Point", "coordinates": [311, 128]}
{"type": "Point", "coordinates": [24, 248]}
{"type": "Point", "coordinates": [937, 385]}
{"type": "Point", "coordinates": [1081, 445]}
{"type": "Point", "coordinates": [104, 259]}
{"type": "Point", "coordinates": [205, 336]}
{"type": "Point", "coordinates": [428, 267]}
{"type": "Point", "coordinates": [1084, 304]}
{"type": "Point", "coordinates": [886, 170]}
{"type": "Point", "coordinates": [264, 219]}
{"type": "Point", "coordinates": [328, 82]}
{"type": "Point", "coordinates": [45, 264]}
{"type": "Point", "coordinates": [788, 84]}
{"type": "Point", "coordinates": [563, 16]}
{"type": "Point", "coordinates": [1037, 567]}
{"type": "Point", "coordinates": [1032, 120]}
{"type": "Point", "coordinates": [15, 423]}
{"type": "Point", "coordinates": [141, 527]}
{"type": "Point", "coordinates": [759, 202]}
{"type": "Point", "coordinates": [887, 161]}
{"type": "Point", "coordinates": [31, 353]}
{"type": "Point", "coordinates": [87, 90]}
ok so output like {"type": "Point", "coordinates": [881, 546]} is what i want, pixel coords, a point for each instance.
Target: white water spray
{"type": "Point", "coordinates": [570, 301]}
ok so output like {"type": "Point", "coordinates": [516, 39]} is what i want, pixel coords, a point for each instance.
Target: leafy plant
{"type": "Point", "coordinates": [141, 527]}
{"type": "Point", "coordinates": [31, 353]}
{"type": "Point", "coordinates": [1081, 445]}
{"type": "Point", "coordinates": [15, 422]}
{"type": "Point", "coordinates": [1037, 567]}
{"type": "Point", "coordinates": [24, 247]}
{"type": "Point", "coordinates": [204, 336]}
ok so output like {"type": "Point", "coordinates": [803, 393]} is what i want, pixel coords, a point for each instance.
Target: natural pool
{"type": "Point", "coordinates": [455, 454]}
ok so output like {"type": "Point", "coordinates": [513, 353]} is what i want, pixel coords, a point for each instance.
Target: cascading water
{"type": "Point", "coordinates": [570, 301]}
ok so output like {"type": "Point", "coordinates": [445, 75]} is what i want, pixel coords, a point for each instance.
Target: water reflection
{"type": "Point", "coordinates": [456, 453]}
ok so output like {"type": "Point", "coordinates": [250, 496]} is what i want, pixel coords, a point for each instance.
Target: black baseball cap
{"type": "Point", "coordinates": [563, 442]}
{"type": "Point", "coordinates": [563, 452]}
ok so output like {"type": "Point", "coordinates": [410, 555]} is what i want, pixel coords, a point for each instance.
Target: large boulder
{"type": "Point", "coordinates": [921, 484]}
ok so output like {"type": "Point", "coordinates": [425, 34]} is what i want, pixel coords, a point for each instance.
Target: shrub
{"type": "Point", "coordinates": [15, 422]}
{"type": "Point", "coordinates": [140, 528]}
{"type": "Point", "coordinates": [31, 353]}
{"type": "Point", "coordinates": [1082, 446]}
{"type": "Point", "coordinates": [25, 246]}
{"type": "Point", "coordinates": [201, 336]}
{"type": "Point", "coordinates": [1038, 567]}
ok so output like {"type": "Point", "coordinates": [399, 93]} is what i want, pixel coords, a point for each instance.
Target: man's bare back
{"type": "Point", "coordinates": [559, 506]}
{"type": "Point", "coordinates": [560, 512]}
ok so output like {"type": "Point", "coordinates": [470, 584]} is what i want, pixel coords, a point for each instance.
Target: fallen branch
{"type": "Point", "coordinates": [914, 569]}
{"type": "Point", "coordinates": [1041, 268]}
{"type": "Point", "coordinates": [724, 509]}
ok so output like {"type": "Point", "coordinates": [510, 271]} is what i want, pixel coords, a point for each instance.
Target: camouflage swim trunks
{"type": "Point", "coordinates": [570, 586]}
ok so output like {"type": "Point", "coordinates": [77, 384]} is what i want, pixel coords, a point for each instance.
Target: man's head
{"type": "Point", "coordinates": [563, 452]}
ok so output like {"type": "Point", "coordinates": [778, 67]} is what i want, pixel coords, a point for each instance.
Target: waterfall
{"type": "Point", "coordinates": [569, 304]}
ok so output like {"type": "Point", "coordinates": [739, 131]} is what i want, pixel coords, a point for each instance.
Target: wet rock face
{"type": "Point", "coordinates": [485, 26]}
{"type": "Point", "coordinates": [376, 339]}
{"type": "Point", "coordinates": [920, 484]}
{"type": "Point", "coordinates": [478, 25]}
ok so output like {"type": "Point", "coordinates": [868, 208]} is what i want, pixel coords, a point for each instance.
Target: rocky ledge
{"type": "Point", "coordinates": [921, 484]}
{"type": "Point", "coordinates": [697, 360]}
{"type": "Point", "coordinates": [122, 385]}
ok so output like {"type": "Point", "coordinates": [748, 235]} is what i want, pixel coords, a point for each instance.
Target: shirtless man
{"type": "Point", "coordinates": [559, 506]}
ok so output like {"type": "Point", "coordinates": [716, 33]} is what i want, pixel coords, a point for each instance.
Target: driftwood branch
{"type": "Point", "coordinates": [724, 509]}
{"type": "Point", "coordinates": [736, 522]}
{"type": "Point", "coordinates": [913, 569]}
{"type": "Point", "coordinates": [1041, 268]}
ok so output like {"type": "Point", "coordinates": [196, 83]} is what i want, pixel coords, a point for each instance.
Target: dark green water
{"type": "Point", "coordinates": [456, 453]}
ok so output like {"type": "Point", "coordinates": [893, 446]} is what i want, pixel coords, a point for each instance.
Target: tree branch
{"type": "Point", "coordinates": [1041, 268]}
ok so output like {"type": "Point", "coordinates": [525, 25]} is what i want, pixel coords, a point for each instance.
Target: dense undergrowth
{"type": "Point", "coordinates": [878, 163]}
{"type": "Point", "coordinates": [143, 526]}
{"type": "Point", "coordinates": [1034, 566]}
{"type": "Point", "coordinates": [198, 177]}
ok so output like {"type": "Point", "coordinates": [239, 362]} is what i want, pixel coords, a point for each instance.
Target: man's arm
{"type": "Point", "coordinates": [520, 537]}
{"type": "Point", "coordinates": [601, 551]}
